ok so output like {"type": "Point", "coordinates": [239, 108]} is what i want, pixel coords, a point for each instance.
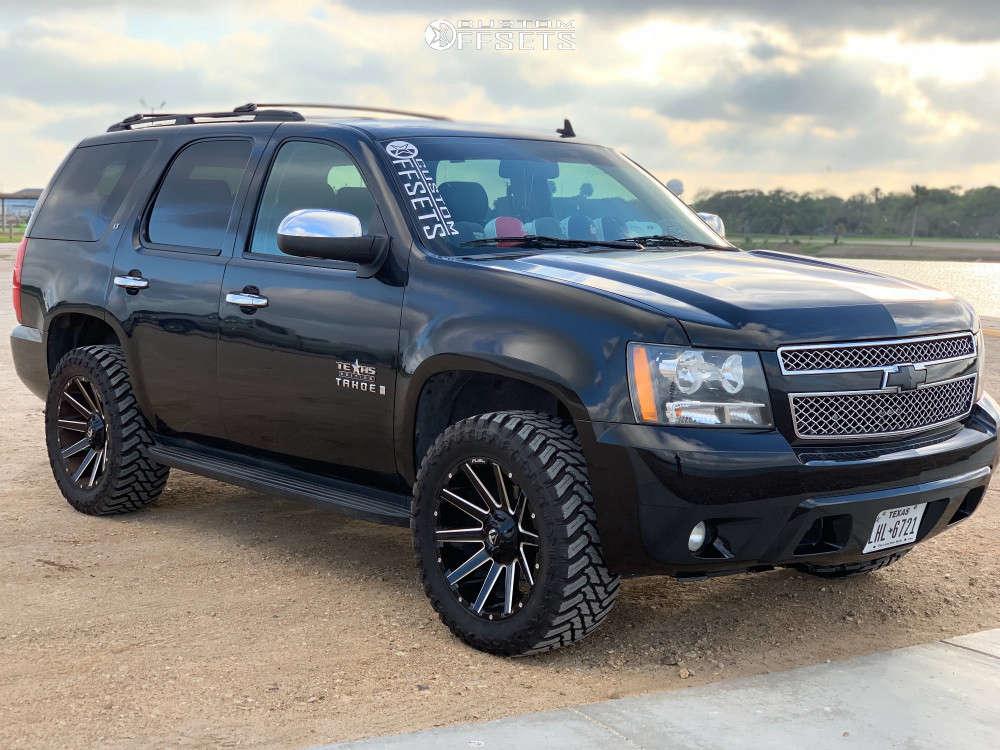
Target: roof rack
{"type": "Point", "coordinates": [240, 114]}
{"type": "Point", "coordinates": [357, 107]}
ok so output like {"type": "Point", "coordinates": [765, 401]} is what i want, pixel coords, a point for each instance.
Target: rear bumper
{"type": "Point", "coordinates": [29, 359]}
{"type": "Point", "coordinates": [769, 503]}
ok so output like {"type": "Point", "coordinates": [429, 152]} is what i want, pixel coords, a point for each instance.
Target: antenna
{"type": "Point", "coordinates": [566, 131]}
{"type": "Point", "coordinates": [152, 110]}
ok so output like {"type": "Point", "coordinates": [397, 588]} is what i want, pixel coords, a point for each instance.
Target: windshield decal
{"type": "Point", "coordinates": [426, 202]}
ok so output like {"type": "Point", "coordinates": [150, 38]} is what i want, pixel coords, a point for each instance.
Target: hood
{"type": "Point", "coordinates": [757, 299]}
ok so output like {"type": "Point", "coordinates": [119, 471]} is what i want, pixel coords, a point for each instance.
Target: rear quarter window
{"type": "Point", "coordinates": [88, 192]}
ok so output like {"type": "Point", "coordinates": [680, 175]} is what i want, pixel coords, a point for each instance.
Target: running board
{"type": "Point", "coordinates": [349, 498]}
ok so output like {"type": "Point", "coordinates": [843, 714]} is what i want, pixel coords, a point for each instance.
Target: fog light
{"type": "Point", "coordinates": [696, 539]}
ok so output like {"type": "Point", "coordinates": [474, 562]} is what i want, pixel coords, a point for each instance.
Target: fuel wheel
{"type": "Point", "coordinates": [82, 432]}
{"type": "Point", "coordinates": [97, 437]}
{"type": "Point", "coordinates": [486, 538]}
{"type": "Point", "coordinates": [505, 534]}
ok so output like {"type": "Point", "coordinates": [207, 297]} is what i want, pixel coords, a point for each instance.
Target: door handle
{"type": "Point", "coordinates": [245, 299]}
{"type": "Point", "coordinates": [131, 283]}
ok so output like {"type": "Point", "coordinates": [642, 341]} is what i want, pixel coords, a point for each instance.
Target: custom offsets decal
{"type": "Point", "coordinates": [358, 377]}
{"type": "Point", "coordinates": [421, 191]}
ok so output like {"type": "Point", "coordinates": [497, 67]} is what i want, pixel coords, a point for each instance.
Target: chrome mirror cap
{"type": "Point", "coordinates": [320, 223]}
{"type": "Point", "coordinates": [715, 222]}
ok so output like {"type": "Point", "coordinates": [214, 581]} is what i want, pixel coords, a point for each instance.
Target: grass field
{"type": "Point", "coordinates": [924, 248]}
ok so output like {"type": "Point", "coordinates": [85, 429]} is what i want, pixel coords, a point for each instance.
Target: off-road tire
{"type": "Point", "coordinates": [573, 591]}
{"type": "Point", "coordinates": [131, 479]}
{"type": "Point", "coordinates": [849, 570]}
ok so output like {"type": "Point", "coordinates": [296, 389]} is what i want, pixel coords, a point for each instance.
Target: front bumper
{"type": "Point", "coordinates": [771, 503]}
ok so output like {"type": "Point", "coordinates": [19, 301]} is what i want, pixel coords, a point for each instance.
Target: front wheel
{"type": "Point", "coordinates": [505, 534]}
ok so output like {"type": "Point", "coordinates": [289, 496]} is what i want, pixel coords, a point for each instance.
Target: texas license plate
{"type": "Point", "coordinates": [894, 527]}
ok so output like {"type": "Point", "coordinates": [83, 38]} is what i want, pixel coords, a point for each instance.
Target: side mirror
{"type": "Point", "coordinates": [331, 235]}
{"type": "Point", "coordinates": [715, 222]}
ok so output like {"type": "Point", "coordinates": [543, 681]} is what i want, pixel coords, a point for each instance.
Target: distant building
{"type": "Point", "coordinates": [17, 207]}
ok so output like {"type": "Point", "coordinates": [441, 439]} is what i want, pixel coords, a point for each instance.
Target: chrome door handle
{"type": "Point", "coordinates": [243, 299]}
{"type": "Point", "coordinates": [131, 282]}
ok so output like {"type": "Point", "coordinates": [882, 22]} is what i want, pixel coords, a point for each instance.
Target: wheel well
{"type": "Point", "coordinates": [450, 397]}
{"type": "Point", "coordinates": [73, 330]}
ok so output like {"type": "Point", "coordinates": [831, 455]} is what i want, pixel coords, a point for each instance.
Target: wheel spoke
{"type": "Point", "coordinates": [77, 447]}
{"type": "Point", "coordinates": [487, 589]}
{"type": "Point", "coordinates": [502, 486]}
{"type": "Point", "coordinates": [508, 594]}
{"type": "Point", "coordinates": [477, 560]}
{"type": "Point", "coordinates": [527, 568]}
{"type": "Point", "coordinates": [84, 464]}
{"type": "Point", "coordinates": [460, 536]}
{"type": "Point", "coordinates": [77, 405]}
{"type": "Point", "coordinates": [97, 465]}
{"type": "Point", "coordinates": [462, 504]}
{"type": "Point", "coordinates": [527, 537]}
{"type": "Point", "coordinates": [73, 424]}
{"type": "Point", "coordinates": [91, 403]}
{"type": "Point", "coordinates": [478, 484]}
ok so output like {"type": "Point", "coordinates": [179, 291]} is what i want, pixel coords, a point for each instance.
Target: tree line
{"type": "Point", "coordinates": [926, 212]}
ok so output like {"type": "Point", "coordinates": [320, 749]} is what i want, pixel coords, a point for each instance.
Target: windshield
{"type": "Point", "coordinates": [463, 189]}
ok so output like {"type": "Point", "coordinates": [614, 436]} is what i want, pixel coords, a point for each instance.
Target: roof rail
{"type": "Point", "coordinates": [240, 113]}
{"type": "Point", "coordinates": [358, 107]}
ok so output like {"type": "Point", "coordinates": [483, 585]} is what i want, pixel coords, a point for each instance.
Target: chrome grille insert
{"type": "Point", "coordinates": [861, 414]}
{"type": "Point", "coordinates": [875, 355]}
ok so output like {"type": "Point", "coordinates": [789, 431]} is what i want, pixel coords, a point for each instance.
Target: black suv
{"type": "Point", "coordinates": [524, 347]}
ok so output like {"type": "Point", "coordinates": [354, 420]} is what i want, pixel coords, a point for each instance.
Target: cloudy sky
{"type": "Point", "coordinates": [840, 95]}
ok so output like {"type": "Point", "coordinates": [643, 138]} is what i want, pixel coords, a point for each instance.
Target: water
{"type": "Point", "coordinates": [977, 283]}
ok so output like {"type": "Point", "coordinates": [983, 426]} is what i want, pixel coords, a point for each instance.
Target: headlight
{"type": "Point", "coordinates": [679, 385]}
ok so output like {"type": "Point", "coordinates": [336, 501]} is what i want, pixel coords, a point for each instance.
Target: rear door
{"type": "Point", "coordinates": [312, 374]}
{"type": "Point", "coordinates": [168, 275]}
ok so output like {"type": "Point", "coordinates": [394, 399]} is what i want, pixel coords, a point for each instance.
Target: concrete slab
{"type": "Point", "coordinates": [941, 694]}
{"type": "Point", "coordinates": [987, 642]}
{"type": "Point", "coordinates": [930, 696]}
{"type": "Point", "coordinates": [567, 729]}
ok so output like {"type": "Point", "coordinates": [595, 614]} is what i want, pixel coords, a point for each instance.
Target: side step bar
{"type": "Point", "coordinates": [352, 499]}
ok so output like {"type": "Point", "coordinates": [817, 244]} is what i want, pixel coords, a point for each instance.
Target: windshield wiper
{"type": "Point", "coordinates": [540, 240]}
{"type": "Point", "coordinates": [669, 240]}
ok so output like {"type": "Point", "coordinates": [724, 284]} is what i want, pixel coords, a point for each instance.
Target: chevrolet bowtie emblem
{"type": "Point", "coordinates": [904, 377]}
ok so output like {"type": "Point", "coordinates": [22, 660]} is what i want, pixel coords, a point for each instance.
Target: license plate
{"type": "Point", "coordinates": [894, 527]}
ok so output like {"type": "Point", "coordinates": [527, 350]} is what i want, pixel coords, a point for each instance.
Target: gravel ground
{"type": "Point", "coordinates": [224, 618]}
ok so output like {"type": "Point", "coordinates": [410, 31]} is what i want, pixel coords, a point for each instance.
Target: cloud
{"type": "Point", "coordinates": [756, 91]}
{"type": "Point", "coordinates": [964, 20]}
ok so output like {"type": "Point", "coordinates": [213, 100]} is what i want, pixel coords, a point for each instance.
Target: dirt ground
{"type": "Point", "coordinates": [221, 617]}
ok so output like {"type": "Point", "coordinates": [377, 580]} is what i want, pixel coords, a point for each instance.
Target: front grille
{"type": "Point", "coordinates": [875, 355]}
{"type": "Point", "coordinates": [878, 413]}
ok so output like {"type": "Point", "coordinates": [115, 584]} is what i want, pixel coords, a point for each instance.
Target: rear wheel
{"type": "Point", "coordinates": [849, 570]}
{"type": "Point", "coordinates": [97, 437]}
{"type": "Point", "coordinates": [505, 535]}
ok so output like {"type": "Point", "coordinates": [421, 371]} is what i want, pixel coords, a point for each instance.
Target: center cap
{"type": "Point", "coordinates": [501, 536]}
{"type": "Point", "coordinates": [95, 430]}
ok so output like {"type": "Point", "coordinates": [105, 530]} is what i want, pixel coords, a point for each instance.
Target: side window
{"type": "Point", "coordinates": [89, 191]}
{"type": "Point", "coordinates": [196, 198]}
{"type": "Point", "coordinates": [307, 174]}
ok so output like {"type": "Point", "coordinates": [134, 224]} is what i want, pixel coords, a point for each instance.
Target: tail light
{"type": "Point", "coordinates": [16, 285]}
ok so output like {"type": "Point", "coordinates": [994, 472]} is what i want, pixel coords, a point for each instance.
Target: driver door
{"type": "Point", "coordinates": [312, 373]}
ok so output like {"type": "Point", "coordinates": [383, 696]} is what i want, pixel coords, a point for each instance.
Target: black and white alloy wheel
{"type": "Point", "coordinates": [97, 437]}
{"type": "Point", "coordinates": [486, 538]}
{"type": "Point", "coordinates": [505, 534]}
{"type": "Point", "coordinates": [81, 427]}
